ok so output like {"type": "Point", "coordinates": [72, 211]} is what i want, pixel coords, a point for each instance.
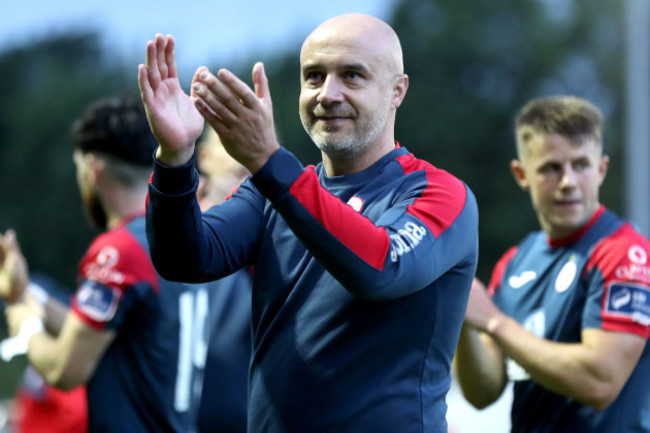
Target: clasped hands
{"type": "Point", "coordinates": [242, 118]}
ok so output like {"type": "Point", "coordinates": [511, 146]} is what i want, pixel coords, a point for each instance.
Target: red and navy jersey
{"type": "Point", "coordinates": [597, 278]}
{"type": "Point", "coordinates": [149, 377]}
{"type": "Point", "coordinates": [359, 290]}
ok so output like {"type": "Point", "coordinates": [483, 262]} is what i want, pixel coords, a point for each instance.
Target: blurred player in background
{"type": "Point", "coordinates": [130, 335]}
{"type": "Point", "coordinates": [567, 312]}
{"type": "Point", "coordinates": [228, 327]}
{"type": "Point", "coordinates": [37, 406]}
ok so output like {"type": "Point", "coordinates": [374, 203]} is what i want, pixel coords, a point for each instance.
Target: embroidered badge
{"type": "Point", "coordinates": [97, 301]}
{"type": "Point", "coordinates": [356, 203]}
{"type": "Point", "coordinates": [628, 300]}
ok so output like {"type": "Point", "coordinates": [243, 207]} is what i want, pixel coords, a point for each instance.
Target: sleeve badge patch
{"type": "Point", "coordinates": [97, 301]}
{"type": "Point", "coordinates": [627, 300]}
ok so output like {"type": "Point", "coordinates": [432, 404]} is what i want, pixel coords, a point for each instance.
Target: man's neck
{"type": "Point", "coordinates": [341, 166]}
{"type": "Point", "coordinates": [124, 204]}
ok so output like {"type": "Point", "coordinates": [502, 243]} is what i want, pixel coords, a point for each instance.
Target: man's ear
{"type": "Point", "coordinates": [519, 173]}
{"type": "Point", "coordinates": [400, 87]}
{"type": "Point", "coordinates": [602, 168]}
{"type": "Point", "coordinates": [95, 168]}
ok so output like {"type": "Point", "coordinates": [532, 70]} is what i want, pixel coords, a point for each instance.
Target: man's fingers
{"type": "Point", "coordinates": [217, 97]}
{"type": "Point", "coordinates": [261, 82]}
{"type": "Point", "coordinates": [238, 92]}
{"type": "Point", "coordinates": [160, 56]}
{"type": "Point", "coordinates": [143, 83]}
{"type": "Point", "coordinates": [153, 74]}
{"type": "Point", "coordinates": [170, 56]}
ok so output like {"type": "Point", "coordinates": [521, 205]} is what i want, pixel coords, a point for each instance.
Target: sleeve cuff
{"type": "Point", "coordinates": [174, 180]}
{"type": "Point", "coordinates": [278, 174]}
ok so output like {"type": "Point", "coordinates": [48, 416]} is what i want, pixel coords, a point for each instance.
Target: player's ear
{"type": "Point", "coordinates": [96, 168]}
{"type": "Point", "coordinates": [400, 87]}
{"type": "Point", "coordinates": [602, 167]}
{"type": "Point", "coordinates": [519, 173]}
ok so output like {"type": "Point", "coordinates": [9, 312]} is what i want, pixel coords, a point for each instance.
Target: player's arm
{"type": "Point", "coordinates": [430, 227]}
{"type": "Point", "coordinates": [55, 313]}
{"type": "Point", "coordinates": [66, 360]}
{"type": "Point", "coordinates": [479, 365]}
{"type": "Point", "coordinates": [592, 372]}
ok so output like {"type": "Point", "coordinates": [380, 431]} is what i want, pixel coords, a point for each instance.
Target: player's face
{"type": "Point", "coordinates": [563, 178]}
{"type": "Point", "coordinates": [221, 173]}
{"type": "Point", "coordinates": [346, 96]}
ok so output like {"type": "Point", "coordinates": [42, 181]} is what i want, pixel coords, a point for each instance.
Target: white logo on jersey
{"type": "Point", "coordinates": [356, 203]}
{"type": "Point", "coordinates": [517, 281]}
{"type": "Point", "coordinates": [637, 255]}
{"type": "Point", "coordinates": [535, 323]}
{"type": "Point", "coordinates": [566, 276]}
{"type": "Point", "coordinates": [621, 298]}
{"type": "Point", "coordinates": [108, 257]}
{"type": "Point", "coordinates": [406, 239]}
{"type": "Point", "coordinates": [102, 268]}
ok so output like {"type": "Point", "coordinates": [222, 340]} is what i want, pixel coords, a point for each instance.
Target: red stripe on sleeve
{"type": "Point", "coordinates": [441, 201]}
{"type": "Point", "coordinates": [500, 269]}
{"type": "Point", "coordinates": [622, 257]}
{"type": "Point", "coordinates": [341, 220]}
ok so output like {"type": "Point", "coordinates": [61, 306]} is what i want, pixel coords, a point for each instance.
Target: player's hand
{"type": "Point", "coordinates": [17, 313]}
{"type": "Point", "coordinates": [481, 312]}
{"type": "Point", "coordinates": [174, 120]}
{"type": "Point", "coordinates": [242, 118]}
{"type": "Point", "coordinates": [14, 276]}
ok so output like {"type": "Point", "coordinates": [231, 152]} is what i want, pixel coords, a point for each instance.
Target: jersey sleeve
{"type": "Point", "coordinates": [113, 269]}
{"type": "Point", "coordinates": [499, 270]}
{"type": "Point", "coordinates": [194, 247]}
{"type": "Point", "coordinates": [430, 227]}
{"type": "Point", "coordinates": [618, 278]}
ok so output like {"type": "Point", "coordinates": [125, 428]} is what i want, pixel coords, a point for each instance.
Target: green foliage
{"type": "Point", "coordinates": [44, 87]}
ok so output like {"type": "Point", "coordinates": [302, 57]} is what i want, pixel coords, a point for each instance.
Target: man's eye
{"type": "Point", "coordinates": [550, 168]}
{"type": "Point", "coordinates": [313, 76]}
{"type": "Point", "coordinates": [581, 165]}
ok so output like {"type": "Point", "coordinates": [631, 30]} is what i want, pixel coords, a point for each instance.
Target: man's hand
{"type": "Point", "coordinates": [242, 118]}
{"type": "Point", "coordinates": [174, 120]}
{"type": "Point", "coordinates": [14, 276]}
{"type": "Point", "coordinates": [481, 312]}
{"type": "Point", "coordinates": [17, 313]}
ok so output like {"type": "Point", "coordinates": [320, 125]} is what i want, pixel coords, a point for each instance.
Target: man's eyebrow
{"type": "Point", "coordinates": [344, 67]}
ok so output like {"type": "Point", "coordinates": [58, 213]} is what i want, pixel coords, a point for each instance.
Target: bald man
{"type": "Point", "coordinates": [363, 263]}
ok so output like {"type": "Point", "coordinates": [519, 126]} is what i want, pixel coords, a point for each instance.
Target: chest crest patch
{"type": "Point", "coordinates": [356, 203]}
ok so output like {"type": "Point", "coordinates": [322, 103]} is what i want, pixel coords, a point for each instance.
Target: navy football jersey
{"type": "Point", "coordinates": [596, 278]}
{"type": "Point", "coordinates": [147, 379]}
{"type": "Point", "coordinates": [359, 290]}
{"type": "Point", "coordinates": [224, 393]}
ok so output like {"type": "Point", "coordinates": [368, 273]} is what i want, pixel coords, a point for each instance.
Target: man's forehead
{"type": "Point", "coordinates": [546, 145]}
{"type": "Point", "coordinates": [341, 55]}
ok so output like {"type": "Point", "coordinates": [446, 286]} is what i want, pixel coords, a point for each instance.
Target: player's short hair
{"type": "Point", "coordinates": [117, 128]}
{"type": "Point", "coordinates": [574, 118]}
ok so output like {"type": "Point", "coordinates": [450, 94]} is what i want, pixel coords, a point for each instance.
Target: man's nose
{"type": "Point", "coordinates": [568, 179]}
{"type": "Point", "coordinates": [330, 91]}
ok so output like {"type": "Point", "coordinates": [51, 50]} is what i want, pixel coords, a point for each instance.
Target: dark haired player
{"type": "Point", "coordinates": [134, 338]}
